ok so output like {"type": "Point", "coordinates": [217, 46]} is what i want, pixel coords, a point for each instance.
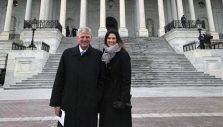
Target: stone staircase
{"type": "Point", "coordinates": [154, 64]}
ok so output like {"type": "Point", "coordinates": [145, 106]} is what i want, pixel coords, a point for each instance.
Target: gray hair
{"type": "Point", "coordinates": [83, 30]}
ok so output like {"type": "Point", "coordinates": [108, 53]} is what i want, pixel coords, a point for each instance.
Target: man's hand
{"type": "Point", "coordinates": [57, 111]}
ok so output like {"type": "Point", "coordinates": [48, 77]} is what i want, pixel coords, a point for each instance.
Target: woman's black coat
{"type": "Point", "coordinates": [117, 84]}
{"type": "Point", "coordinates": [76, 87]}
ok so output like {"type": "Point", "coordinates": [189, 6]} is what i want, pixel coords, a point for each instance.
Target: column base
{"type": "Point", "coordinates": [102, 31]}
{"type": "Point", "coordinates": [161, 32]}
{"type": "Point", "coordinates": [64, 32]}
{"type": "Point", "coordinates": [123, 31]}
{"type": "Point", "coordinates": [4, 36]}
{"type": "Point", "coordinates": [143, 32]}
{"type": "Point", "coordinates": [215, 35]}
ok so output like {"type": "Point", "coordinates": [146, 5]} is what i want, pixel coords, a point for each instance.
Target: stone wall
{"type": "Point", "coordinates": [207, 61]}
{"type": "Point", "coordinates": [22, 64]}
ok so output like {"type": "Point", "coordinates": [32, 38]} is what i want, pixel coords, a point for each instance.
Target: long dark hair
{"type": "Point", "coordinates": [119, 40]}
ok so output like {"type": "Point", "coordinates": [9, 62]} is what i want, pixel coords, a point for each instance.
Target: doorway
{"type": "Point", "coordinates": [111, 23]}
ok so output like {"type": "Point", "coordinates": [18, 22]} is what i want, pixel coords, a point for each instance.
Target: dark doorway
{"type": "Point", "coordinates": [111, 23]}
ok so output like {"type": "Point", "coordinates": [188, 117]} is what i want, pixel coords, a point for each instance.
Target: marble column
{"type": "Point", "coordinates": [161, 18]}
{"type": "Point", "coordinates": [211, 20]}
{"type": "Point", "coordinates": [42, 10]}
{"type": "Point", "coordinates": [142, 31]}
{"type": "Point", "coordinates": [123, 30]}
{"type": "Point", "coordinates": [192, 12]}
{"type": "Point", "coordinates": [63, 10]}
{"type": "Point", "coordinates": [210, 15]}
{"type": "Point", "coordinates": [28, 10]}
{"type": "Point", "coordinates": [102, 29]}
{"type": "Point", "coordinates": [180, 9]}
{"type": "Point", "coordinates": [174, 9]}
{"type": "Point", "coordinates": [169, 13]}
{"type": "Point", "coordinates": [8, 16]}
{"type": "Point", "coordinates": [47, 10]}
{"type": "Point", "coordinates": [51, 10]}
{"type": "Point", "coordinates": [5, 34]}
{"type": "Point", "coordinates": [83, 13]}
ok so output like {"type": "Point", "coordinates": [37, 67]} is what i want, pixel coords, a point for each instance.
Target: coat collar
{"type": "Point", "coordinates": [76, 50]}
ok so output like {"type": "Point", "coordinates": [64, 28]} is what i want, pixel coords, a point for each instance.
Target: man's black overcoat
{"type": "Point", "coordinates": [76, 87]}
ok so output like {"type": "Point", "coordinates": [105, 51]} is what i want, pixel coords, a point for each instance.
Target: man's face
{"type": "Point", "coordinates": [84, 40]}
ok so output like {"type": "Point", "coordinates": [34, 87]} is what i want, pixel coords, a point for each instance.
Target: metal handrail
{"type": "Point", "coordinates": [45, 47]}
{"type": "Point", "coordinates": [14, 36]}
{"type": "Point", "coordinates": [178, 24]}
{"type": "Point", "coordinates": [17, 46]}
{"type": "Point", "coordinates": [190, 46]}
{"type": "Point", "coordinates": [41, 24]}
{"type": "Point", "coordinates": [217, 45]}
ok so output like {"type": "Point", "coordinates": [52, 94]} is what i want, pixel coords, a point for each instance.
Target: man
{"type": "Point", "coordinates": [75, 87]}
{"type": "Point", "coordinates": [74, 31]}
{"type": "Point", "coordinates": [201, 38]}
{"type": "Point", "coordinates": [67, 31]}
{"type": "Point", "coordinates": [183, 21]}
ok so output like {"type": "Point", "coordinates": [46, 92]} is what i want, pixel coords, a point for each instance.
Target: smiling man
{"type": "Point", "coordinates": [75, 87]}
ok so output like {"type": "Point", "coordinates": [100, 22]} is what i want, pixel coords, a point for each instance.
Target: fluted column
{"type": "Point", "coordinates": [8, 16]}
{"type": "Point", "coordinates": [51, 10]}
{"type": "Point", "coordinates": [211, 20]}
{"type": "Point", "coordinates": [28, 9]}
{"type": "Point", "coordinates": [192, 12]}
{"type": "Point", "coordinates": [210, 16]}
{"type": "Point", "coordinates": [142, 31]}
{"type": "Point", "coordinates": [174, 9]}
{"type": "Point", "coordinates": [83, 13]}
{"type": "Point", "coordinates": [63, 9]}
{"type": "Point", "coordinates": [42, 10]}
{"type": "Point", "coordinates": [180, 9]}
{"type": "Point", "coordinates": [47, 10]}
{"type": "Point", "coordinates": [161, 18]}
{"type": "Point", "coordinates": [123, 30]}
{"type": "Point", "coordinates": [169, 13]}
{"type": "Point", "coordinates": [102, 29]}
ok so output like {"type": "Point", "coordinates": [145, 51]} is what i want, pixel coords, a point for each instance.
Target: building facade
{"type": "Point", "coordinates": [133, 18]}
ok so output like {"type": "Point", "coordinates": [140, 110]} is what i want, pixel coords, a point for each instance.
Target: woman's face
{"type": "Point", "coordinates": [111, 40]}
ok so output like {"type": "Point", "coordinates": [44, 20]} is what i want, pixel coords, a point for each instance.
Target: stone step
{"type": "Point", "coordinates": [178, 82]}
{"type": "Point", "coordinates": [154, 64]}
{"type": "Point", "coordinates": [174, 85]}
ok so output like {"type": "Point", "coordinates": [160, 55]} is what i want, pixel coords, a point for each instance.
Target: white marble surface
{"type": "Point", "coordinates": [26, 94]}
{"type": "Point", "coordinates": [22, 64]}
{"type": "Point", "coordinates": [207, 61]}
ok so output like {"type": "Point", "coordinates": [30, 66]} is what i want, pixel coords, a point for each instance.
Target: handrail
{"type": "Point", "coordinates": [45, 47]}
{"type": "Point", "coordinates": [14, 36]}
{"type": "Point", "coordinates": [189, 46]}
{"type": "Point", "coordinates": [17, 46]}
{"type": "Point", "coordinates": [217, 45]}
{"type": "Point", "coordinates": [41, 24]}
{"type": "Point", "coordinates": [178, 24]}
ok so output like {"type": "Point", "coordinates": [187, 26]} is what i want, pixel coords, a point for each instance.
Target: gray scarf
{"type": "Point", "coordinates": [110, 52]}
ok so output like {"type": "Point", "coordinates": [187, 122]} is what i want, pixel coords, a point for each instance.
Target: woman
{"type": "Point", "coordinates": [115, 108]}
